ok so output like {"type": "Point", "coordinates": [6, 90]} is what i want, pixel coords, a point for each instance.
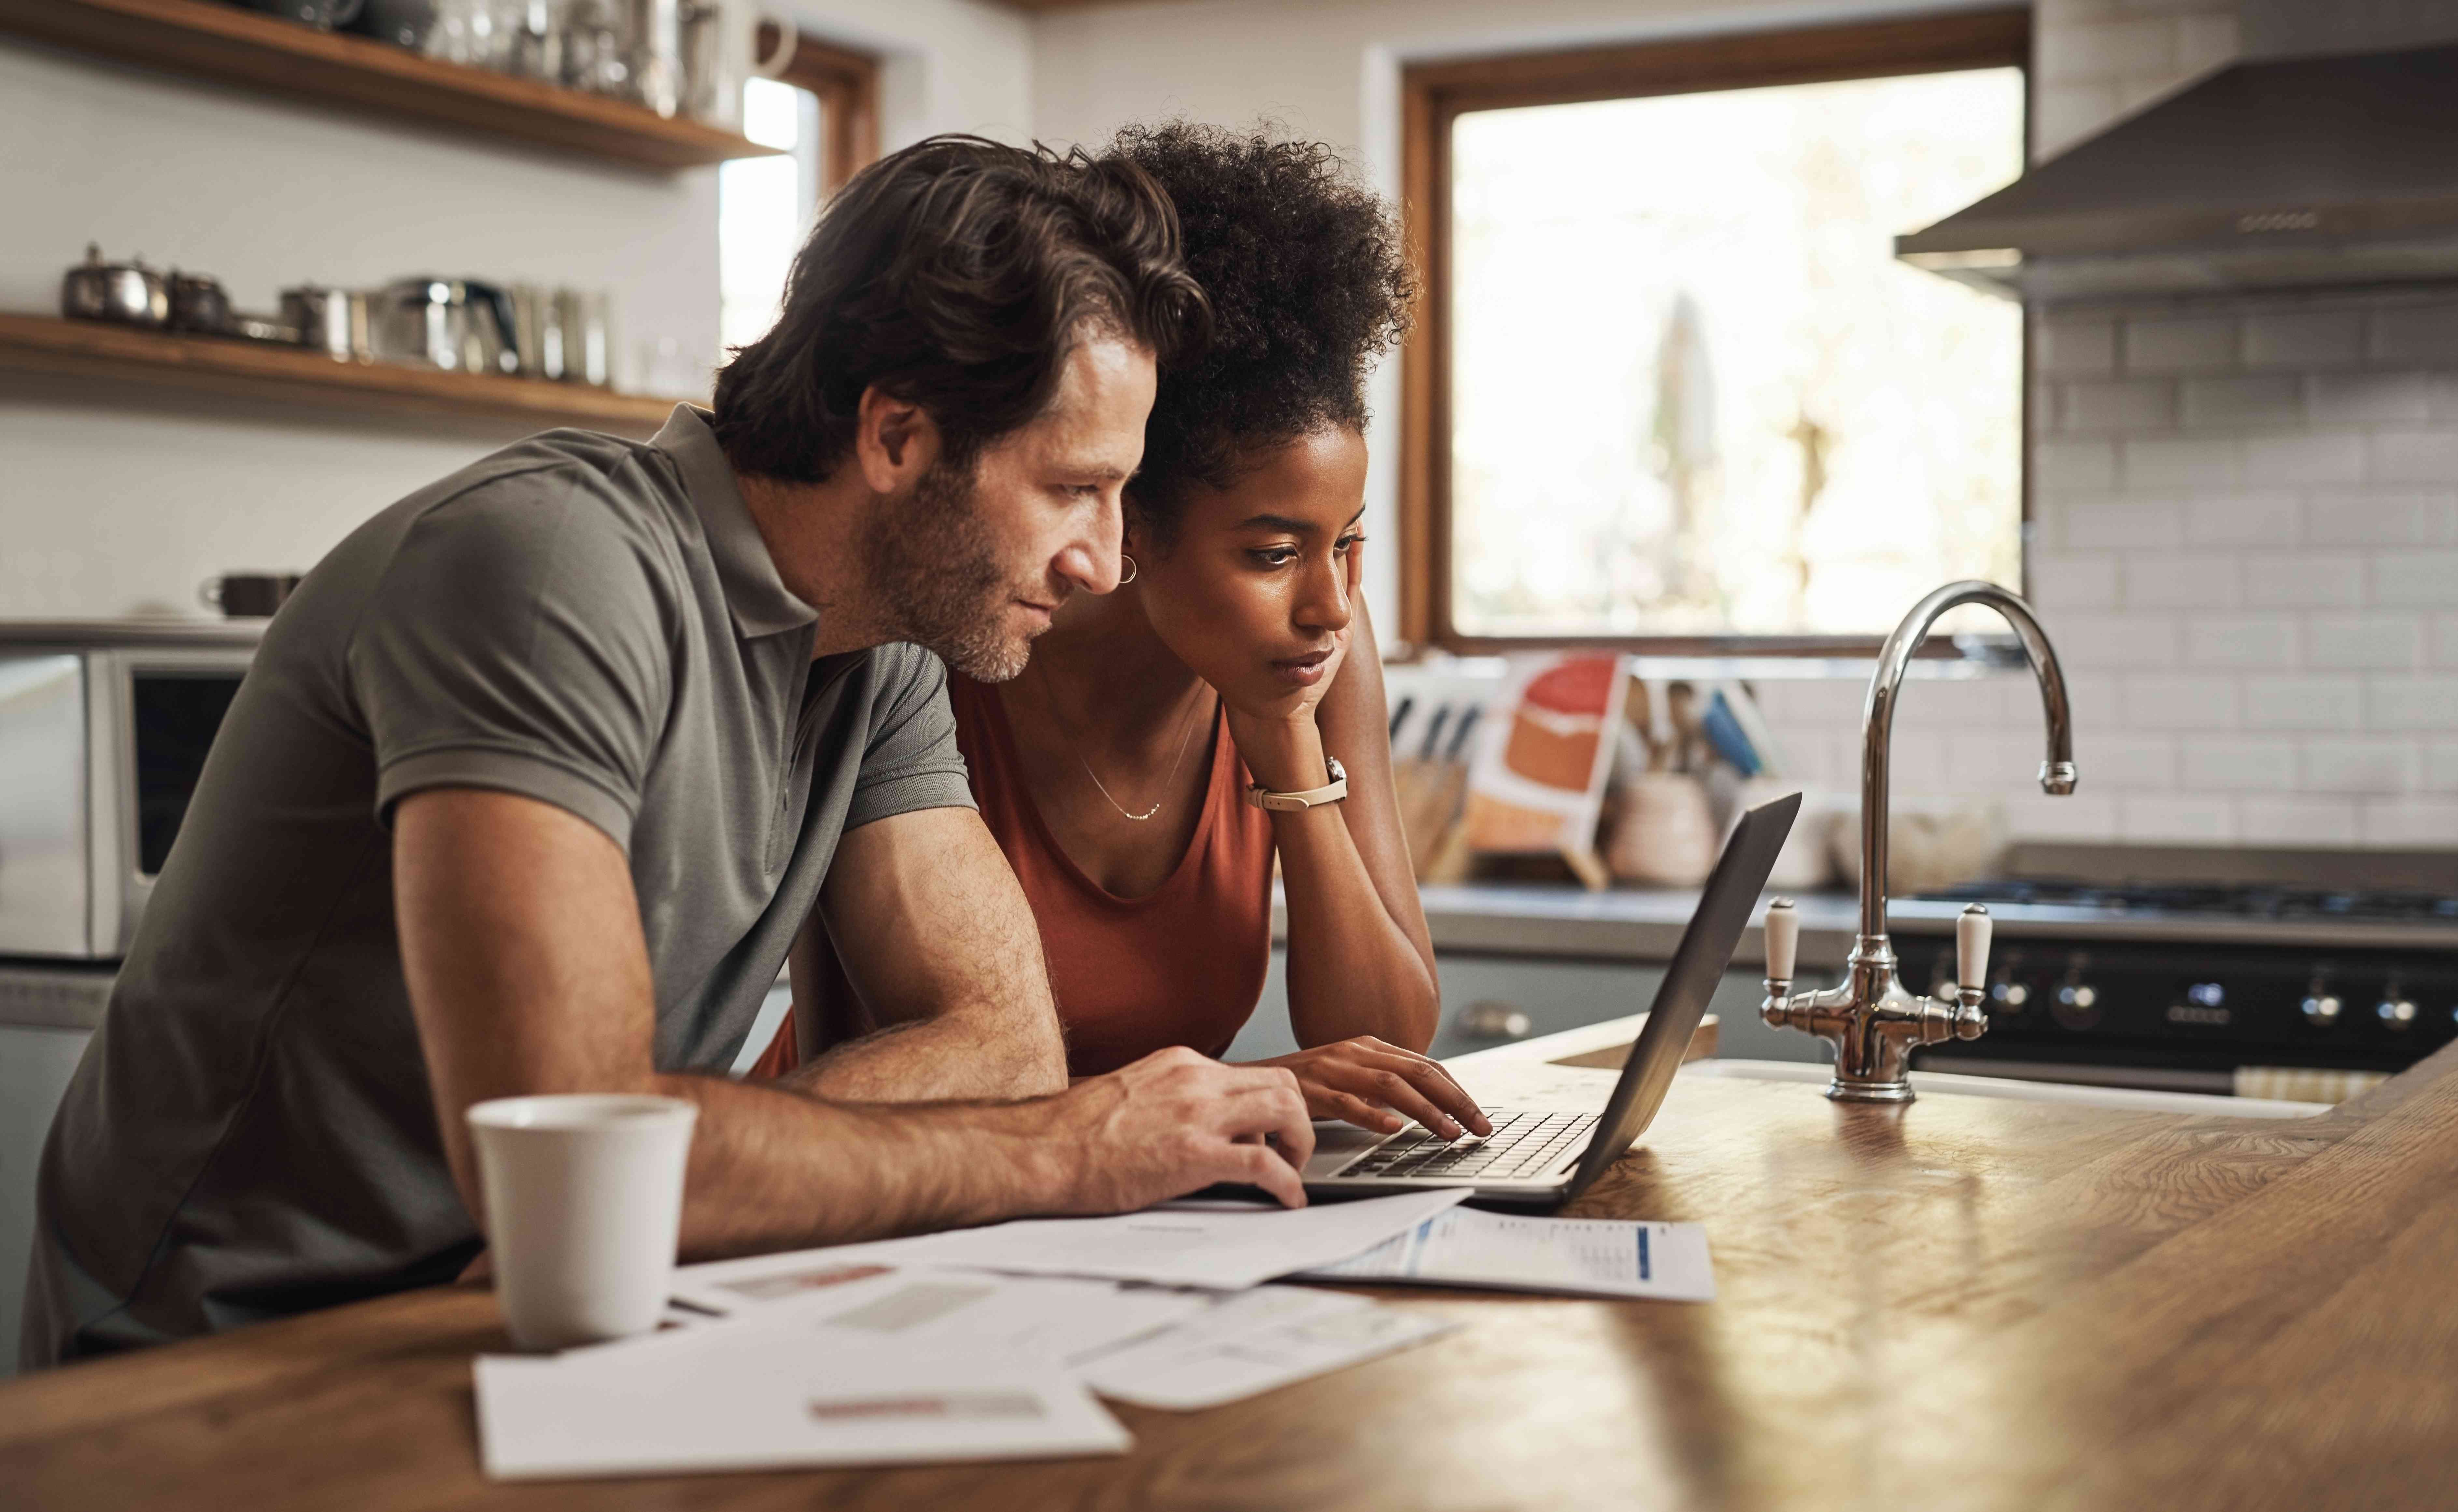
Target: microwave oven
{"type": "Point", "coordinates": [104, 727]}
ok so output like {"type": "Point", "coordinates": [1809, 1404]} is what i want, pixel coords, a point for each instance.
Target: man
{"type": "Point", "coordinates": [534, 778]}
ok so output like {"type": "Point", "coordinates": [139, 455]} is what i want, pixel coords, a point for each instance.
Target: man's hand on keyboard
{"type": "Point", "coordinates": [1371, 1084]}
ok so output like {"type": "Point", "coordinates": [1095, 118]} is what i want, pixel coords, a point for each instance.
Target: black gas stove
{"type": "Point", "coordinates": [2183, 986]}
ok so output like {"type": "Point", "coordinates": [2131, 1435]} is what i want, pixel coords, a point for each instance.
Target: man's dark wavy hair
{"type": "Point", "coordinates": [1308, 281]}
{"type": "Point", "coordinates": [957, 275]}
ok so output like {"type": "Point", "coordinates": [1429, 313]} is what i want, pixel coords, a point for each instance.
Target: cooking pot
{"type": "Point", "coordinates": [332, 320]}
{"type": "Point", "coordinates": [127, 293]}
{"type": "Point", "coordinates": [459, 324]}
{"type": "Point", "coordinates": [199, 304]}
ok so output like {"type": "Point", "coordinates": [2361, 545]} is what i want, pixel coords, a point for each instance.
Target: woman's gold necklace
{"type": "Point", "coordinates": [1051, 698]}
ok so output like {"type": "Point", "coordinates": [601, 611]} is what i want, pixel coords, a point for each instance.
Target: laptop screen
{"type": "Point", "coordinates": [1698, 963]}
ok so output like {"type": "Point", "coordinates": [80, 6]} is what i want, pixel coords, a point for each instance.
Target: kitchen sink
{"type": "Point", "coordinates": [1930, 1083]}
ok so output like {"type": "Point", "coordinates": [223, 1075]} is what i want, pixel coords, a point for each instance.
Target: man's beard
{"type": "Point", "coordinates": [934, 572]}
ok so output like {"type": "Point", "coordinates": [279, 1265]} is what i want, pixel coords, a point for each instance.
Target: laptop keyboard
{"type": "Point", "coordinates": [1521, 1145]}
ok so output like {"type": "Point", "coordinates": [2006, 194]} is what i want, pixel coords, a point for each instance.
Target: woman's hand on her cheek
{"type": "Point", "coordinates": [1371, 1084]}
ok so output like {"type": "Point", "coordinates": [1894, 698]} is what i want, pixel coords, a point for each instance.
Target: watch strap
{"type": "Point", "coordinates": [1331, 791]}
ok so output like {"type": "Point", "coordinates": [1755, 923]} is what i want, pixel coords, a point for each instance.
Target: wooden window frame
{"type": "Point", "coordinates": [846, 84]}
{"type": "Point", "coordinates": [1436, 93]}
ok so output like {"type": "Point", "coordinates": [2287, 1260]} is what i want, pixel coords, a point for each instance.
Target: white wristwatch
{"type": "Point", "coordinates": [1331, 791]}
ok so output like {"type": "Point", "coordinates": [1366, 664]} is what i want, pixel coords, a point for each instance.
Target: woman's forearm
{"type": "Point", "coordinates": [1352, 968]}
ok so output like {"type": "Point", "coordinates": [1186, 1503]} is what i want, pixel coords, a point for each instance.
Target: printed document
{"type": "Point", "coordinates": [1583, 1256]}
{"type": "Point", "coordinates": [1254, 1341]}
{"type": "Point", "coordinates": [1223, 1246]}
{"type": "Point", "coordinates": [748, 1399]}
{"type": "Point", "coordinates": [1046, 1320]}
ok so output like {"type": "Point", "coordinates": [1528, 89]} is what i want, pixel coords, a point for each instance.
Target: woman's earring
{"type": "Point", "coordinates": [1128, 575]}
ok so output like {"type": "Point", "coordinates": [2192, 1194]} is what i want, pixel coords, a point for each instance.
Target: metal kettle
{"type": "Point", "coordinates": [461, 326]}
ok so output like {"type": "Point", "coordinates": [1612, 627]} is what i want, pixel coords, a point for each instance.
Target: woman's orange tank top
{"type": "Point", "coordinates": [1183, 964]}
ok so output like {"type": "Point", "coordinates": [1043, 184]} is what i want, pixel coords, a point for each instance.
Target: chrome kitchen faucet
{"type": "Point", "coordinates": [1874, 1023]}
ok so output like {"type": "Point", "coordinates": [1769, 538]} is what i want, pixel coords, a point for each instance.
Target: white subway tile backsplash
{"type": "Point", "coordinates": [2415, 579]}
{"type": "Point", "coordinates": [2246, 533]}
{"type": "Point", "coordinates": [2277, 580]}
{"type": "Point", "coordinates": [2441, 766]}
{"type": "Point", "coordinates": [2415, 456]}
{"type": "Point", "coordinates": [2369, 397]}
{"type": "Point", "coordinates": [2303, 339]}
{"type": "Point", "coordinates": [2264, 641]}
{"type": "Point", "coordinates": [2119, 642]}
{"type": "Point", "coordinates": [2154, 702]}
{"type": "Point", "coordinates": [2074, 464]}
{"type": "Point", "coordinates": [2126, 762]}
{"type": "Point", "coordinates": [2276, 458]}
{"type": "Point", "coordinates": [2416, 334]}
{"type": "Point", "coordinates": [2118, 404]}
{"type": "Point", "coordinates": [2191, 462]}
{"type": "Point", "coordinates": [1809, 701]}
{"type": "Point", "coordinates": [2072, 581]}
{"type": "Point", "coordinates": [2360, 765]}
{"type": "Point", "coordinates": [2303, 703]}
{"type": "Point", "coordinates": [2077, 817]}
{"type": "Point", "coordinates": [2123, 523]}
{"type": "Point", "coordinates": [2176, 819]}
{"type": "Point", "coordinates": [2297, 821]}
{"type": "Point", "coordinates": [2271, 399]}
{"type": "Point", "coordinates": [2073, 347]}
{"type": "Point", "coordinates": [2364, 641]}
{"type": "Point", "coordinates": [2411, 703]}
{"type": "Point", "coordinates": [2246, 519]}
{"type": "Point", "coordinates": [2223, 764]}
{"type": "Point", "coordinates": [2173, 580]}
{"type": "Point", "coordinates": [2181, 346]}
{"type": "Point", "coordinates": [2383, 517]}
{"type": "Point", "coordinates": [2408, 823]}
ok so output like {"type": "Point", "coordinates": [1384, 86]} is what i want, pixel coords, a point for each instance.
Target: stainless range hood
{"type": "Point", "coordinates": [2292, 173]}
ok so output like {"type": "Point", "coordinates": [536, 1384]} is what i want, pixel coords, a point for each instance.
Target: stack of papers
{"type": "Point", "coordinates": [990, 1343]}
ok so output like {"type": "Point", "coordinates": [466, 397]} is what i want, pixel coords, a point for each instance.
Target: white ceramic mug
{"type": "Point", "coordinates": [584, 1197]}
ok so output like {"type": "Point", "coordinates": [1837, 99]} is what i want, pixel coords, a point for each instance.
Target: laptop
{"type": "Point", "coordinates": [1546, 1159]}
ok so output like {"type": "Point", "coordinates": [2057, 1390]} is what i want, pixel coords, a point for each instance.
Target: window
{"type": "Point", "coordinates": [822, 112]}
{"type": "Point", "coordinates": [1672, 389]}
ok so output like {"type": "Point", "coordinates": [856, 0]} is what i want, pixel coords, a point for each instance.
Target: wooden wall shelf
{"type": "Point", "coordinates": [209, 39]}
{"type": "Point", "coordinates": [294, 376]}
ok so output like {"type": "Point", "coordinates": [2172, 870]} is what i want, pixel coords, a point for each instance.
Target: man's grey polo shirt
{"type": "Point", "coordinates": [587, 621]}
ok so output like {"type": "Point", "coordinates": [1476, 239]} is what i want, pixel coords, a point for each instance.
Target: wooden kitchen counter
{"type": "Point", "coordinates": [1968, 1303]}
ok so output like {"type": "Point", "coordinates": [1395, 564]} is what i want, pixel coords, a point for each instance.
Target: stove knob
{"type": "Point", "coordinates": [2076, 1005]}
{"type": "Point", "coordinates": [2321, 1008]}
{"type": "Point", "coordinates": [2397, 1011]}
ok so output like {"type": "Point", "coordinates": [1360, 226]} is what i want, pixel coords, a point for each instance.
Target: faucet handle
{"type": "Point", "coordinates": [1782, 940]}
{"type": "Point", "coordinates": [1971, 949]}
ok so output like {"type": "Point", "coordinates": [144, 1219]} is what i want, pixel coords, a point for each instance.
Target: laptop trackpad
{"type": "Point", "coordinates": [1336, 1144]}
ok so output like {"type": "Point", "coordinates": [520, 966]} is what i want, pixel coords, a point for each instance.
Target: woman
{"type": "Point", "coordinates": [1115, 773]}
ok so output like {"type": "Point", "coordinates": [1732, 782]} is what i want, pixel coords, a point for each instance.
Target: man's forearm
{"type": "Point", "coordinates": [951, 1056]}
{"type": "Point", "coordinates": [772, 1169]}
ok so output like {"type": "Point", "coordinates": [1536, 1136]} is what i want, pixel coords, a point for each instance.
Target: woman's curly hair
{"type": "Point", "coordinates": [1309, 284]}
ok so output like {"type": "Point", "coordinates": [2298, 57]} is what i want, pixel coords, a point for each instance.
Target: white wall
{"type": "Point", "coordinates": [116, 499]}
